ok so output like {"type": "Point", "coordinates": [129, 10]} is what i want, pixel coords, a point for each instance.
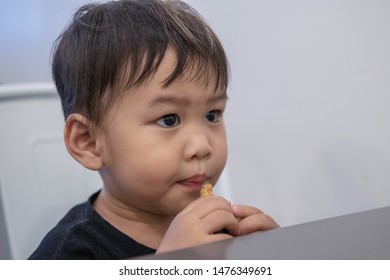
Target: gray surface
{"type": "Point", "coordinates": [364, 235]}
{"type": "Point", "coordinates": [5, 252]}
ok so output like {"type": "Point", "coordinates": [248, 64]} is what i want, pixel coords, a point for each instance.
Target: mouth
{"type": "Point", "coordinates": [194, 183]}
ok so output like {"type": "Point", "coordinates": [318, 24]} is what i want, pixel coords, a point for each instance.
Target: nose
{"type": "Point", "coordinates": [198, 146]}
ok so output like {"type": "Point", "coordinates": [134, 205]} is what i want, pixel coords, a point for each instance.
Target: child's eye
{"type": "Point", "coordinates": [170, 120]}
{"type": "Point", "coordinates": [213, 116]}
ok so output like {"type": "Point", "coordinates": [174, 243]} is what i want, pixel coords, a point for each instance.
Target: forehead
{"type": "Point", "coordinates": [167, 66]}
{"type": "Point", "coordinates": [170, 69]}
{"type": "Point", "coordinates": [188, 86]}
{"type": "Point", "coordinates": [193, 75]}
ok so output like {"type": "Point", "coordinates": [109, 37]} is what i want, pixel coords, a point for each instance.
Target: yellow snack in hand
{"type": "Point", "coordinates": [207, 190]}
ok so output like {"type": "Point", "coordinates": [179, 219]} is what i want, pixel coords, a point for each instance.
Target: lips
{"type": "Point", "coordinates": [195, 182]}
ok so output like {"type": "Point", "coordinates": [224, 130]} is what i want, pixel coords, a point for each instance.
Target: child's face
{"type": "Point", "coordinates": [160, 145]}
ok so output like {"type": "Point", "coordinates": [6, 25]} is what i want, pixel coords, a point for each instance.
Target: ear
{"type": "Point", "coordinates": [81, 142]}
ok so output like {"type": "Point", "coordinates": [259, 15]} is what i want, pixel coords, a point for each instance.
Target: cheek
{"type": "Point", "coordinates": [155, 166]}
{"type": "Point", "coordinates": [220, 152]}
{"type": "Point", "coordinates": [148, 161]}
{"type": "Point", "coordinates": [141, 174]}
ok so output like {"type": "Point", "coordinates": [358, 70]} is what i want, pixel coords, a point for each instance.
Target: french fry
{"type": "Point", "coordinates": [207, 190]}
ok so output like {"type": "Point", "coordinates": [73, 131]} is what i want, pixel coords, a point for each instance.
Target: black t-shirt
{"type": "Point", "coordinates": [84, 234]}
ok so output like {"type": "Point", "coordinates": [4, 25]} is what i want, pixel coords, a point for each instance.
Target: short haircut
{"type": "Point", "coordinates": [110, 47]}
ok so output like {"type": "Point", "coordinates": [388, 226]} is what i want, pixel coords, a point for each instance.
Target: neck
{"type": "Point", "coordinates": [144, 227]}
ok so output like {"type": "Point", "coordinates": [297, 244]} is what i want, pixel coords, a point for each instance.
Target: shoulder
{"type": "Point", "coordinates": [84, 234]}
{"type": "Point", "coordinates": [56, 243]}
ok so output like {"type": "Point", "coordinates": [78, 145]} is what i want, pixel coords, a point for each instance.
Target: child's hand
{"type": "Point", "coordinates": [252, 219]}
{"type": "Point", "coordinates": [198, 222]}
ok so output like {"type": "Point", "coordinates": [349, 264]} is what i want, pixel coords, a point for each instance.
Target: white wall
{"type": "Point", "coordinates": [28, 29]}
{"type": "Point", "coordinates": [308, 115]}
{"type": "Point", "coordinates": [309, 104]}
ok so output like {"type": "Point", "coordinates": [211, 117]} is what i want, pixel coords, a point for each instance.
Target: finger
{"type": "Point", "coordinates": [242, 211]}
{"type": "Point", "coordinates": [219, 237]}
{"type": "Point", "coordinates": [221, 219]}
{"type": "Point", "coordinates": [256, 222]}
{"type": "Point", "coordinates": [205, 205]}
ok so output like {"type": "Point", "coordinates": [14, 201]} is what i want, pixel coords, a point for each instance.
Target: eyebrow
{"type": "Point", "coordinates": [166, 99]}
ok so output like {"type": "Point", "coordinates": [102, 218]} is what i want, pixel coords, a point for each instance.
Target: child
{"type": "Point", "coordinates": [143, 89]}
